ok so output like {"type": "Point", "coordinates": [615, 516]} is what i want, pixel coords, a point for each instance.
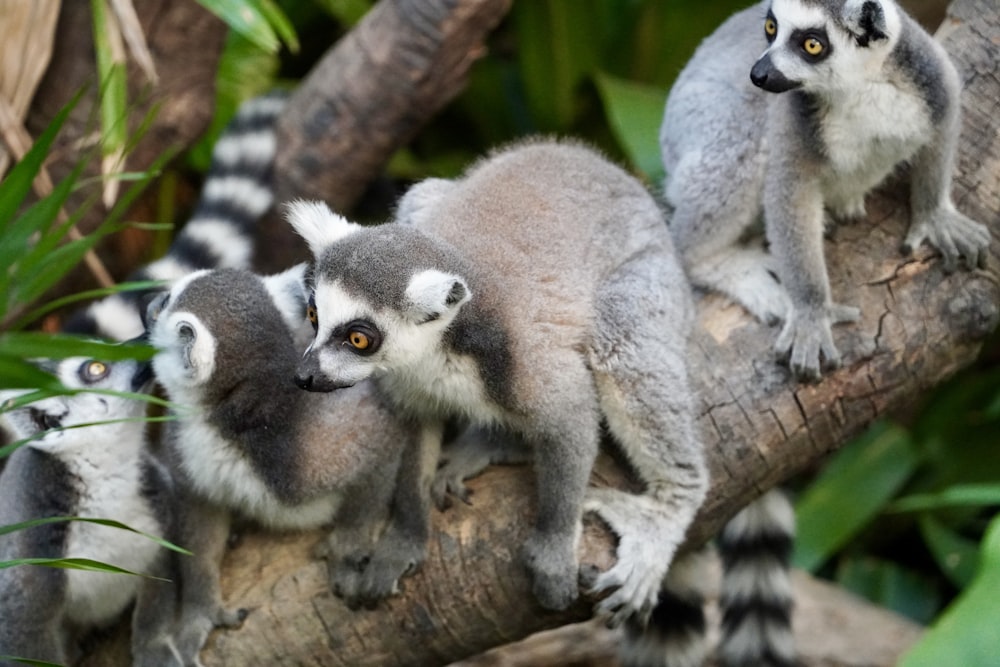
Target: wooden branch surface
{"type": "Point", "coordinates": [918, 327]}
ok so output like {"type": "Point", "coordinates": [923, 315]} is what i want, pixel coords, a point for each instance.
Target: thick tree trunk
{"type": "Point", "coordinates": [918, 327]}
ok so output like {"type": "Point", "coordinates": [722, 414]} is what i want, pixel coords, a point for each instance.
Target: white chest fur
{"type": "Point", "coordinates": [221, 473]}
{"type": "Point", "coordinates": [114, 492]}
{"type": "Point", "coordinates": [867, 133]}
{"type": "Point", "coordinates": [443, 383]}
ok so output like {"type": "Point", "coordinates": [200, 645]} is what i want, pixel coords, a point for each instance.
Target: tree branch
{"type": "Point", "coordinates": [918, 327]}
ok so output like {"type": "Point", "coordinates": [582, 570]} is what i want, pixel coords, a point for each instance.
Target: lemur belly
{"type": "Point", "coordinates": [221, 473]}
{"type": "Point", "coordinates": [100, 597]}
{"type": "Point", "coordinates": [866, 136]}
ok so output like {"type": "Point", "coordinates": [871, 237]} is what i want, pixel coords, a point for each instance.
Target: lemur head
{"type": "Point", "coordinates": [381, 297]}
{"type": "Point", "coordinates": [48, 421]}
{"type": "Point", "coordinates": [215, 328]}
{"type": "Point", "coordinates": [824, 45]}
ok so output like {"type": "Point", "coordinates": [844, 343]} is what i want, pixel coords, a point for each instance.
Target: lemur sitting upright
{"type": "Point", "coordinates": [72, 466]}
{"type": "Point", "coordinates": [539, 293]}
{"type": "Point", "coordinates": [796, 109]}
{"type": "Point", "coordinates": [246, 443]}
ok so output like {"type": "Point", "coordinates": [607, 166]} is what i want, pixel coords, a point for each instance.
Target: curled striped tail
{"type": "Point", "coordinates": [756, 596]}
{"type": "Point", "coordinates": [220, 233]}
{"type": "Point", "coordinates": [675, 633]}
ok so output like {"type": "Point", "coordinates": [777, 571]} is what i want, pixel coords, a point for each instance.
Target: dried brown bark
{"type": "Point", "coordinates": [918, 327]}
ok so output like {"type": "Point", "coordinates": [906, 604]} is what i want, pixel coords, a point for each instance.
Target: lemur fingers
{"type": "Point", "coordinates": [954, 235]}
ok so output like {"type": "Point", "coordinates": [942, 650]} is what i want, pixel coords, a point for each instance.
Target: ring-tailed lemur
{"type": "Point", "coordinates": [793, 107]}
{"type": "Point", "coordinates": [540, 293]}
{"type": "Point", "coordinates": [220, 233]}
{"type": "Point", "coordinates": [72, 466]}
{"type": "Point", "coordinates": [247, 443]}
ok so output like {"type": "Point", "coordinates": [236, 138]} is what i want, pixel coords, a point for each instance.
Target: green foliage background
{"type": "Point", "coordinates": [905, 515]}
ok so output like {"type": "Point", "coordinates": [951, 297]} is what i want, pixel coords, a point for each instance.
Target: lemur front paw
{"type": "Point", "coordinates": [954, 235]}
{"type": "Point", "coordinates": [364, 578]}
{"type": "Point", "coordinates": [806, 341]}
{"type": "Point", "coordinates": [551, 560]}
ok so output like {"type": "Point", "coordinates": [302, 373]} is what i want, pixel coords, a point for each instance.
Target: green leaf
{"type": "Point", "coordinates": [851, 491]}
{"type": "Point", "coordinates": [29, 661]}
{"type": "Point", "coordinates": [38, 345]}
{"type": "Point", "coordinates": [348, 12]}
{"type": "Point", "coordinates": [635, 112]}
{"type": "Point", "coordinates": [100, 522]}
{"type": "Point", "coordinates": [890, 585]}
{"type": "Point", "coordinates": [256, 20]}
{"type": "Point", "coordinates": [16, 373]}
{"type": "Point", "coordinates": [78, 297]}
{"type": "Point", "coordinates": [959, 495]}
{"type": "Point", "coordinates": [966, 633]}
{"type": "Point", "coordinates": [114, 87]}
{"type": "Point", "coordinates": [957, 556]}
{"type": "Point", "coordinates": [85, 564]}
{"type": "Point", "coordinates": [17, 183]}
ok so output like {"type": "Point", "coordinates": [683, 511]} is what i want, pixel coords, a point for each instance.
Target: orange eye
{"type": "Point", "coordinates": [770, 27]}
{"type": "Point", "coordinates": [312, 315]}
{"type": "Point", "coordinates": [358, 340]}
{"type": "Point", "coordinates": [812, 46]}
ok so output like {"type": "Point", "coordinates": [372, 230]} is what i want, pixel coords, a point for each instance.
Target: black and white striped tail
{"type": "Point", "coordinates": [675, 633]}
{"type": "Point", "coordinates": [220, 233]}
{"type": "Point", "coordinates": [756, 594]}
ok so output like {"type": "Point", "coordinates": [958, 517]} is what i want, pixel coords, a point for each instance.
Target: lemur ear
{"type": "Point", "coordinates": [317, 224]}
{"type": "Point", "coordinates": [432, 294]}
{"type": "Point", "coordinates": [419, 200]}
{"type": "Point", "coordinates": [197, 345]}
{"type": "Point", "coordinates": [866, 19]}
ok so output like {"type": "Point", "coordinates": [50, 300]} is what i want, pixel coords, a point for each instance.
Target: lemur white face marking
{"type": "Point", "coordinates": [48, 421]}
{"type": "Point", "coordinates": [186, 355]}
{"type": "Point", "coordinates": [812, 50]}
{"type": "Point", "coordinates": [354, 340]}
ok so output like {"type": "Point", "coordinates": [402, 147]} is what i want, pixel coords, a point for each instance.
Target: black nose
{"type": "Point", "coordinates": [304, 382]}
{"type": "Point", "coordinates": [767, 77]}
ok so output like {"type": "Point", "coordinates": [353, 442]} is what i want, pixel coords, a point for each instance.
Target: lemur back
{"type": "Point", "coordinates": [73, 466]}
{"type": "Point", "coordinates": [794, 110]}
{"type": "Point", "coordinates": [539, 293]}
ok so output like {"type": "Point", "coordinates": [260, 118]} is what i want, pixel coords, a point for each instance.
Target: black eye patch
{"type": "Point", "coordinates": [813, 44]}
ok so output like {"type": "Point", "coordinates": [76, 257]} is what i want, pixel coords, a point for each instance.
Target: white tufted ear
{"type": "Point", "coordinates": [432, 294]}
{"type": "Point", "coordinates": [317, 224]}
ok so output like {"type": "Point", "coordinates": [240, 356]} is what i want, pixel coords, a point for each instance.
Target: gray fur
{"type": "Point", "coordinates": [812, 148]}
{"type": "Point", "coordinates": [104, 471]}
{"type": "Point", "coordinates": [558, 303]}
{"type": "Point", "coordinates": [247, 444]}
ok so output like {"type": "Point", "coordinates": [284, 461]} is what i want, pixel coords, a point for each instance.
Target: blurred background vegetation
{"type": "Point", "coordinates": [904, 516]}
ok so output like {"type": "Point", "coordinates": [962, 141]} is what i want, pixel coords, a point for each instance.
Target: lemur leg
{"type": "Point", "coordinates": [203, 530]}
{"type": "Point", "coordinates": [716, 199]}
{"type": "Point", "coordinates": [934, 217]}
{"type": "Point", "coordinates": [467, 455]}
{"type": "Point", "coordinates": [564, 433]}
{"type": "Point", "coordinates": [639, 361]}
{"type": "Point", "coordinates": [403, 546]}
{"type": "Point", "coordinates": [155, 616]}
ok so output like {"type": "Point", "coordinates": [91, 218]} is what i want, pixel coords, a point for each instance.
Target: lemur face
{"type": "Point", "coordinates": [812, 49]}
{"type": "Point", "coordinates": [49, 420]}
{"type": "Point", "coordinates": [355, 339]}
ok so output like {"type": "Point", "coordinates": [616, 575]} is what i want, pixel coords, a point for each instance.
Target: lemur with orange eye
{"type": "Point", "coordinates": [794, 110]}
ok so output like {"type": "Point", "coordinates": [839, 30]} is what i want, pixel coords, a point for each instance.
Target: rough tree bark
{"type": "Point", "coordinates": [918, 327]}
